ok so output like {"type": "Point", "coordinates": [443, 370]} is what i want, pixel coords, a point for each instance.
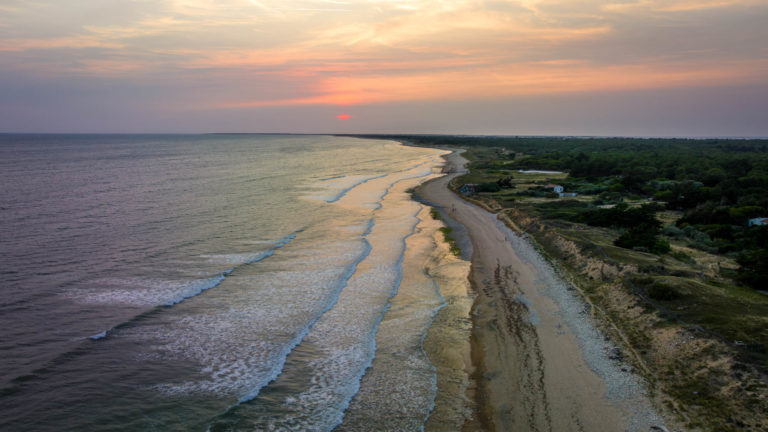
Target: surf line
{"type": "Point", "coordinates": [382, 313]}
{"type": "Point", "coordinates": [277, 369]}
{"type": "Point", "coordinates": [83, 347]}
{"type": "Point", "coordinates": [435, 311]}
{"type": "Point", "coordinates": [343, 192]}
{"type": "Point", "coordinates": [367, 348]}
{"type": "Point", "coordinates": [391, 185]}
{"type": "Point", "coordinates": [213, 282]}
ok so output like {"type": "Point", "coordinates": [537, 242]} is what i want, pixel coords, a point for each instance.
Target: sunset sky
{"type": "Point", "coordinates": [539, 67]}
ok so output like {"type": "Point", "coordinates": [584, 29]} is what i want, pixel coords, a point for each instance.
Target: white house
{"type": "Point", "coordinates": [555, 188]}
{"type": "Point", "coordinates": [559, 190]}
{"type": "Point", "coordinates": [758, 221]}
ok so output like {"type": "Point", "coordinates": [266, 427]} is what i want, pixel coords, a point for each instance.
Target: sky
{"type": "Point", "coordinates": [522, 67]}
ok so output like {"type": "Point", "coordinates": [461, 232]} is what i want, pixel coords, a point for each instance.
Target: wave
{"type": "Point", "coordinates": [425, 165]}
{"type": "Point", "coordinates": [238, 259]}
{"type": "Point", "coordinates": [372, 336]}
{"type": "Point", "coordinates": [344, 191]}
{"type": "Point", "coordinates": [303, 333]}
{"type": "Point", "coordinates": [98, 336]}
{"type": "Point", "coordinates": [278, 367]}
{"type": "Point", "coordinates": [346, 337]}
{"type": "Point", "coordinates": [372, 199]}
{"type": "Point", "coordinates": [337, 377]}
{"type": "Point", "coordinates": [400, 363]}
{"type": "Point", "coordinates": [332, 178]}
{"type": "Point", "coordinates": [195, 288]}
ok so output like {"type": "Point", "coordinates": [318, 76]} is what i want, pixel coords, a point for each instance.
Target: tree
{"type": "Point", "coordinates": [487, 187]}
{"type": "Point", "coordinates": [754, 268]}
{"type": "Point", "coordinates": [643, 237]}
{"type": "Point", "coordinates": [505, 182]}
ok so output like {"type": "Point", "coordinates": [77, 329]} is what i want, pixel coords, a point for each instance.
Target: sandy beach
{"type": "Point", "coordinates": [538, 361]}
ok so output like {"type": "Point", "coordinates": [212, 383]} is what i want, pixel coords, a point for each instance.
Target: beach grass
{"type": "Point", "coordinates": [446, 231]}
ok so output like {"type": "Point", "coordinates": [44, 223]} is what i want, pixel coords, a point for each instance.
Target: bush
{"type": "Point", "coordinates": [661, 246]}
{"type": "Point", "coordinates": [663, 292]}
{"type": "Point", "coordinates": [673, 231]}
{"type": "Point", "coordinates": [636, 237]}
{"type": "Point", "coordinates": [623, 216]}
{"type": "Point", "coordinates": [643, 238]}
{"type": "Point", "coordinates": [505, 182]}
{"type": "Point", "coordinates": [754, 268]}
{"type": "Point", "coordinates": [682, 256]}
{"type": "Point", "coordinates": [487, 187]}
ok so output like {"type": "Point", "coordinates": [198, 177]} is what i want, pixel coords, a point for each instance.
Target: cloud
{"type": "Point", "coordinates": [544, 78]}
{"type": "Point", "coordinates": [16, 45]}
{"type": "Point", "coordinates": [240, 54]}
{"type": "Point", "coordinates": [680, 5]}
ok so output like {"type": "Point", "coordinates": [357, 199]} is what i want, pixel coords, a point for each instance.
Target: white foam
{"type": "Point", "coordinates": [160, 292]}
{"type": "Point", "coordinates": [368, 190]}
{"type": "Point", "coordinates": [237, 259]}
{"type": "Point", "coordinates": [369, 195]}
{"type": "Point", "coordinates": [345, 335]}
{"type": "Point", "coordinates": [333, 189]}
{"type": "Point", "coordinates": [398, 391]}
{"type": "Point", "coordinates": [98, 336]}
{"type": "Point", "coordinates": [143, 291]}
{"type": "Point", "coordinates": [243, 346]}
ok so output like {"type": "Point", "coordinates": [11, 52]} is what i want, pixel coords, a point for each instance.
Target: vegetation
{"type": "Point", "coordinates": [718, 184]}
{"type": "Point", "coordinates": [455, 249]}
{"type": "Point", "coordinates": [658, 239]}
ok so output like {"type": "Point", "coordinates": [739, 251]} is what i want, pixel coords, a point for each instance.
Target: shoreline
{"type": "Point", "coordinates": [538, 363]}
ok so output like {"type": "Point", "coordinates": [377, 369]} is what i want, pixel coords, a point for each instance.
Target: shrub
{"type": "Point", "coordinates": [643, 238]}
{"type": "Point", "coordinates": [505, 182]}
{"type": "Point", "coordinates": [754, 267]}
{"type": "Point", "coordinates": [487, 187]}
{"type": "Point", "coordinates": [636, 237]}
{"type": "Point", "coordinates": [623, 216]}
{"type": "Point", "coordinates": [672, 231]}
{"type": "Point", "coordinates": [660, 246]}
{"type": "Point", "coordinates": [663, 292]}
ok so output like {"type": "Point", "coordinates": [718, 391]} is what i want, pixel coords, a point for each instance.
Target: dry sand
{"type": "Point", "coordinates": [539, 362]}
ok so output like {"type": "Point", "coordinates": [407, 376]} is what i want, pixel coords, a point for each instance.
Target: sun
{"type": "Point", "coordinates": [343, 116]}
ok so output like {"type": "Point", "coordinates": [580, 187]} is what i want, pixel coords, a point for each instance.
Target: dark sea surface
{"type": "Point", "coordinates": [164, 282]}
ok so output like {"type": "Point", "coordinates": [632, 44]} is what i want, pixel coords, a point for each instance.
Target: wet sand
{"type": "Point", "coordinates": [538, 362]}
{"type": "Point", "coordinates": [447, 344]}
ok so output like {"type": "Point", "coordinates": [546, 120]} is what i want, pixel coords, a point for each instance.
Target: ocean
{"type": "Point", "coordinates": [222, 282]}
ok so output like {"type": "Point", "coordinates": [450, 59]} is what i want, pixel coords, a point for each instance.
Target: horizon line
{"type": "Point", "coordinates": [400, 134]}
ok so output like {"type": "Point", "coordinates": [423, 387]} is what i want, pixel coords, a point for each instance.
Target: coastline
{"type": "Point", "coordinates": [538, 362]}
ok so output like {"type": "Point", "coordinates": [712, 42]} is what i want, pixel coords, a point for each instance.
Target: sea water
{"type": "Point", "coordinates": [214, 282]}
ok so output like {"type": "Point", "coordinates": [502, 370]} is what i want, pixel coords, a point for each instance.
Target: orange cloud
{"type": "Point", "coordinates": [679, 5]}
{"type": "Point", "coordinates": [535, 78]}
{"type": "Point", "coordinates": [370, 51]}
